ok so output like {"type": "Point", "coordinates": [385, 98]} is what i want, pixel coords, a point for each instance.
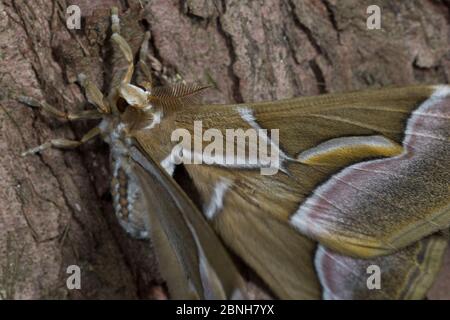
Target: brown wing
{"type": "Point", "coordinates": [364, 174]}
{"type": "Point", "coordinates": [405, 274]}
{"type": "Point", "coordinates": [357, 207]}
{"type": "Point", "coordinates": [192, 259]}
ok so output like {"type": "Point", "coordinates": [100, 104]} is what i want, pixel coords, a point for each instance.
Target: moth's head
{"type": "Point", "coordinates": [143, 109]}
{"type": "Point", "coordinates": [136, 109]}
{"type": "Point", "coordinates": [133, 97]}
{"type": "Point", "coordinates": [166, 97]}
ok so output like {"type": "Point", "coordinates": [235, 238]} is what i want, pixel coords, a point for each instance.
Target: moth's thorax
{"type": "Point", "coordinates": [120, 128]}
{"type": "Point", "coordinates": [115, 133]}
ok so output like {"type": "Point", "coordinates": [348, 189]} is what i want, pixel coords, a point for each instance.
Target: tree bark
{"type": "Point", "coordinates": [55, 208]}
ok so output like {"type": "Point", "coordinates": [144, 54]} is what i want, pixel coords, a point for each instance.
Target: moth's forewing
{"type": "Point", "coordinates": [392, 213]}
{"type": "Point", "coordinates": [378, 206]}
{"type": "Point", "coordinates": [192, 258]}
{"type": "Point", "coordinates": [371, 211]}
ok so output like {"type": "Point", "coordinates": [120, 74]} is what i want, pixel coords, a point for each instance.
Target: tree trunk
{"type": "Point", "coordinates": [55, 208]}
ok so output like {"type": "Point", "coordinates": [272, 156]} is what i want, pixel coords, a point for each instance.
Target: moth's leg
{"type": "Point", "coordinates": [115, 21]}
{"type": "Point", "coordinates": [86, 114]}
{"type": "Point", "coordinates": [122, 44]}
{"type": "Point", "coordinates": [144, 75]}
{"type": "Point", "coordinates": [93, 94]}
{"type": "Point", "coordinates": [64, 143]}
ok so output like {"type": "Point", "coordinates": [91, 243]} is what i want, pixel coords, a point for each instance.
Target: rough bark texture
{"type": "Point", "coordinates": [55, 208]}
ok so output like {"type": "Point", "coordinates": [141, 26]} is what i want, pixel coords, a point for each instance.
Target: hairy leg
{"type": "Point", "coordinates": [63, 143]}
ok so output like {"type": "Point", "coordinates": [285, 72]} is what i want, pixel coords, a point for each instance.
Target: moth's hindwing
{"type": "Point", "coordinates": [192, 259]}
{"type": "Point", "coordinates": [406, 274]}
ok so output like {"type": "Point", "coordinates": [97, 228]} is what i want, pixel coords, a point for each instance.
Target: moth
{"type": "Point", "coordinates": [361, 183]}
